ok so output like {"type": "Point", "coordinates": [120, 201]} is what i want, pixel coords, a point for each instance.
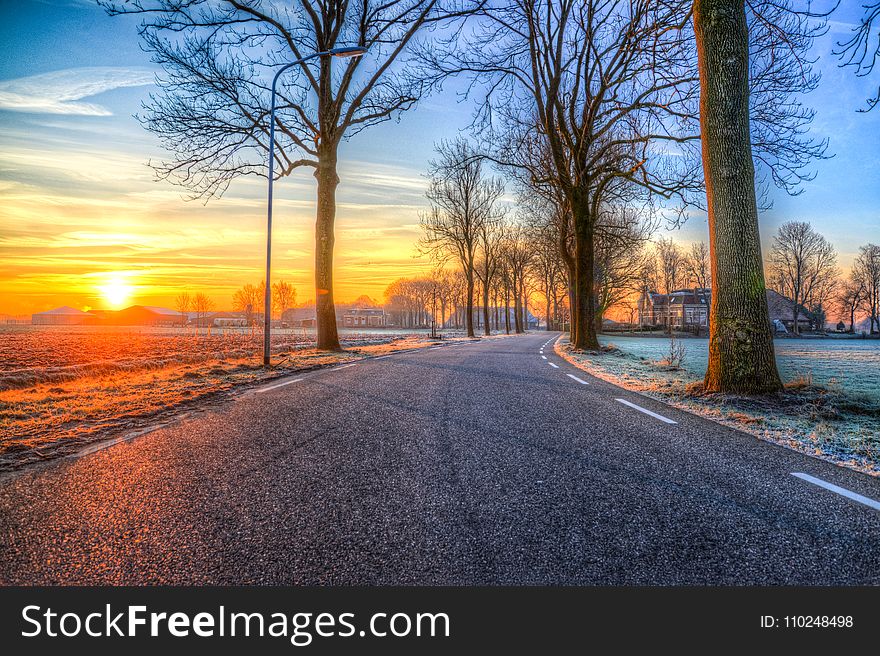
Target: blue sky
{"type": "Point", "coordinates": [80, 201]}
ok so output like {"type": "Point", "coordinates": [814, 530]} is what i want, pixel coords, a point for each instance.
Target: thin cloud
{"type": "Point", "coordinates": [55, 92]}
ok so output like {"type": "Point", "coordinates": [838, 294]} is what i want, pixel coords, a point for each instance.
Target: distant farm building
{"type": "Point", "coordinates": [364, 317]}
{"type": "Point", "coordinates": [782, 315]}
{"type": "Point", "coordinates": [302, 317]}
{"type": "Point", "coordinates": [689, 308]}
{"type": "Point", "coordinates": [62, 316]}
{"type": "Point", "coordinates": [683, 308]}
{"type": "Point", "coordinates": [147, 315]}
{"type": "Point", "coordinates": [228, 320]}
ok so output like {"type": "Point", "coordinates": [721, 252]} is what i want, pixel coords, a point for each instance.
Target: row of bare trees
{"type": "Point", "coordinates": [598, 107]}
{"type": "Point", "coordinates": [199, 303]}
{"type": "Point", "coordinates": [860, 291]}
{"type": "Point", "coordinates": [469, 228]}
{"type": "Point", "coordinates": [249, 299]}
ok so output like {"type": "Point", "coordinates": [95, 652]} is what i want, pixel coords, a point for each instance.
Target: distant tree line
{"type": "Point", "coordinates": [248, 300]}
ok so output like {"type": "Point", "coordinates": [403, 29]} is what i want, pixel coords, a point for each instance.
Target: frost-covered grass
{"type": "Point", "coordinates": [851, 365]}
{"type": "Point", "coordinates": [62, 387]}
{"type": "Point", "coordinates": [830, 408]}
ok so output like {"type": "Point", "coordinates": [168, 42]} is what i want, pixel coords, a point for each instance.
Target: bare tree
{"type": "Point", "coordinates": [620, 239]}
{"type": "Point", "coordinates": [595, 86]}
{"type": "Point", "coordinates": [490, 242]}
{"type": "Point", "coordinates": [698, 267]}
{"type": "Point", "coordinates": [462, 201]}
{"type": "Point", "coordinates": [518, 256]}
{"type": "Point", "coordinates": [671, 271]}
{"type": "Point", "coordinates": [247, 299]}
{"type": "Point", "coordinates": [410, 301]}
{"type": "Point", "coordinates": [203, 305]}
{"type": "Point", "coordinates": [548, 267]}
{"type": "Point", "coordinates": [218, 57]}
{"type": "Point", "coordinates": [803, 266]}
{"type": "Point", "coordinates": [850, 299]}
{"type": "Point", "coordinates": [671, 265]}
{"type": "Point", "coordinates": [862, 50]}
{"type": "Point", "coordinates": [866, 270]}
{"type": "Point", "coordinates": [183, 303]}
{"type": "Point", "coordinates": [444, 285]}
{"type": "Point", "coordinates": [283, 297]}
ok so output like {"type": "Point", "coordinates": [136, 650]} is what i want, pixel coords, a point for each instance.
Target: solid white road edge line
{"type": "Point", "coordinates": [573, 377]}
{"type": "Point", "coordinates": [555, 366]}
{"type": "Point", "coordinates": [345, 366]}
{"type": "Point", "coordinates": [286, 382]}
{"type": "Point", "coordinates": [646, 411]}
{"type": "Point", "coordinates": [838, 490]}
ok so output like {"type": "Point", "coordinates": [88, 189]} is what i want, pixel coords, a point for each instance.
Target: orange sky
{"type": "Point", "coordinates": [106, 225]}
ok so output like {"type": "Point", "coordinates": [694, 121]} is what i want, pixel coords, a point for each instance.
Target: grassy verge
{"type": "Point", "coordinates": [822, 421]}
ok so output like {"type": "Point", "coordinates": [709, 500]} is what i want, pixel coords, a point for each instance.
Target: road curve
{"type": "Point", "coordinates": [489, 462]}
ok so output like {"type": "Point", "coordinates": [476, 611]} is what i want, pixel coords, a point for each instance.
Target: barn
{"type": "Point", "coordinates": [62, 316]}
{"type": "Point", "coordinates": [147, 315]}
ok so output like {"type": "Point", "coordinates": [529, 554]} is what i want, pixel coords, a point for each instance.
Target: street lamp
{"type": "Point", "coordinates": [345, 52]}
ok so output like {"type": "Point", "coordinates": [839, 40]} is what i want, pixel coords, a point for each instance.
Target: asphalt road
{"type": "Point", "coordinates": [466, 464]}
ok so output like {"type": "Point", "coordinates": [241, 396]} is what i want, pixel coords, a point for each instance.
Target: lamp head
{"type": "Point", "coordinates": [347, 51]}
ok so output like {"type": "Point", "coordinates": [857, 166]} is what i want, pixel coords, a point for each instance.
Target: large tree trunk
{"type": "Point", "coordinates": [328, 180]}
{"type": "Point", "coordinates": [469, 304]}
{"type": "Point", "coordinates": [741, 357]}
{"type": "Point", "coordinates": [487, 328]}
{"type": "Point", "coordinates": [583, 327]}
{"type": "Point", "coordinates": [507, 309]}
{"type": "Point", "coordinates": [517, 310]}
{"type": "Point", "coordinates": [570, 269]}
{"type": "Point", "coordinates": [547, 300]}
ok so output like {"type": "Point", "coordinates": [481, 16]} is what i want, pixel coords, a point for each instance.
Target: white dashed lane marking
{"type": "Point", "coordinates": [858, 498]}
{"type": "Point", "coordinates": [646, 411]}
{"type": "Point", "coordinates": [271, 387]}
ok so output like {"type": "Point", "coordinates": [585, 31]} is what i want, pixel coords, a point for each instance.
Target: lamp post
{"type": "Point", "coordinates": [353, 51]}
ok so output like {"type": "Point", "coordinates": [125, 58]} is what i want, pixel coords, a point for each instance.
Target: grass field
{"type": "Point", "coordinates": [849, 364]}
{"type": "Point", "coordinates": [62, 387]}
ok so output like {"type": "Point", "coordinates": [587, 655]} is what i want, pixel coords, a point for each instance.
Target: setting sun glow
{"type": "Point", "coordinates": [116, 292]}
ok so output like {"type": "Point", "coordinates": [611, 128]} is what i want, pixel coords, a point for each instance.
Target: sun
{"type": "Point", "coordinates": [116, 291]}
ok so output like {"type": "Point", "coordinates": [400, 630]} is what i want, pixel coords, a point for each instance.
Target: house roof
{"type": "Point", "coordinates": [65, 310]}
{"type": "Point", "coordinates": [364, 310]}
{"type": "Point", "coordinates": [155, 309]}
{"type": "Point", "coordinates": [682, 297]}
{"type": "Point", "coordinates": [782, 307]}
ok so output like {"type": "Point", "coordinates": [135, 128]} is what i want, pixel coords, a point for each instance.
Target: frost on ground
{"type": "Point", "coordinates": [63, 388]}
{"type": "Point", "coordinates": [827, 420]}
